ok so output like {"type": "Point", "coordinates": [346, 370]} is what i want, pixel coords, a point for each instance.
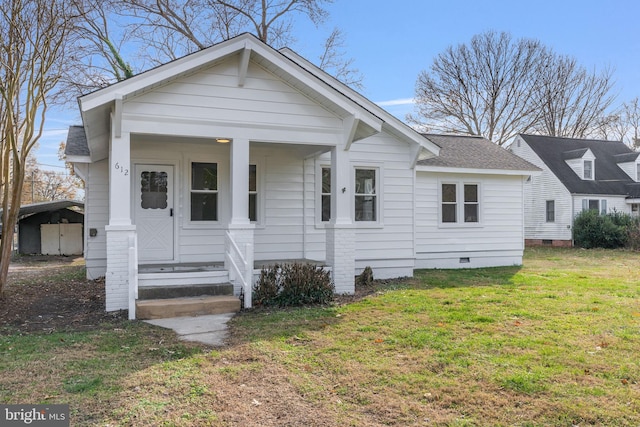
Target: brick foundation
{"type": "Point", "coordinates": [552, 243]}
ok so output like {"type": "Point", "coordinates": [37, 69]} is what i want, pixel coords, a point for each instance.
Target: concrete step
{"type": "Point", "coordinates": [181, 291]}
{"type": "Point", "coordinates": [188, 306]}
{"type": "Point", "coordinates": [182, 277]}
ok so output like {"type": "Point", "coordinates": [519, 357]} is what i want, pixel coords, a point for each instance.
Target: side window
{"type": "Point", "coordinates": [366, 195]}
{"type": "Point", "coordinates": [449, 203]}
{"type": "Point", "coordinates": [471, 203]}
{"type": "Point", "coordinates": [204, 192]}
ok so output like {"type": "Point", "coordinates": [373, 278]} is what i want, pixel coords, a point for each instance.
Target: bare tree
{"type": "Point", "coordinates": [498, 87]}
{"type": "Point", "coordinates": [630, 116]}
{"type": "Point", "coordinates": [333, 61]}
{"type": "Point", "coordinates": [572, 100]}
{"type": "Point", "coordinates": [33, 36]}
{"type": "Point", "coordinates": [483, 88]}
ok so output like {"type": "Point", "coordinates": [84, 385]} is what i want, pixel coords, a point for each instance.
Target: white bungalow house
{"type": "Point", "coordinates": [577, 174]}
{"type": "Point", "coordinates": [201, 170]}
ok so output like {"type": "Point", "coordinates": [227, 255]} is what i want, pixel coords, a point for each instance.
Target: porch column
{"type": "Point", "coordinates": [120, 233]}
{"type": "Point", "coordinates": [240, 228]}
{"type": "Point", "coordinates": [340, 232]}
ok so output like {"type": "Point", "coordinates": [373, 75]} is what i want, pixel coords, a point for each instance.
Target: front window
{"type": "Point", "coordinates": [551, 211]}
{"type": "Point", "coordinates": [588, 169]}
{"type": "Point", "coordinates": [325, 194]}
{"type": "Point", "coordinates": [366, 195]}
{"type": "Point", "coordinates": [204, 192]}
{"type": "Point", "coordinates": [449, 204]}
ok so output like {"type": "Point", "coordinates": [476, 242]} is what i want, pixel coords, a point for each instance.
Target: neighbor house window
{"type": "Point", "coordinates": [588, 169]}
{"type": "Point", "coordinates": [366, 195]}
{"type": "Point", "coordinates": [253, 193]}
{"type": "Point", "coordinates": [551, 210]}
{"type": "Point", "coordinates": [325, 194]}
{"type": "Point", "coordinates": [638, 172]}
{"type": "Point", "coordinates": [204, 192]}
{"type": "Point", "coordinates": [595, 205]}
{"type": "Point", "coordinates": [460, 203]}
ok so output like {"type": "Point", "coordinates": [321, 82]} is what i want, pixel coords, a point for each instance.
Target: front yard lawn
{"type": "Point", "coordinates": [552, 343]}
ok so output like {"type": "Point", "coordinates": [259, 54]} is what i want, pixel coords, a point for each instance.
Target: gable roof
{"type": "Point", "coordinates": [609, 178]}
{"type": "Point", "coordinates": [475, 153]}
{"type": "Point", "coordinates": [363, 115]}
{"type": "Point", "coordinates": [34, 208]}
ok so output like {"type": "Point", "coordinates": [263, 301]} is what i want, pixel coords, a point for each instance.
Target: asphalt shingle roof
{"type": "Point", "coordinates": [473, 152]}
{"type": "Point", "coordinates": [609, 177]}
{"type": "Point", "coordinates": [76, 142]}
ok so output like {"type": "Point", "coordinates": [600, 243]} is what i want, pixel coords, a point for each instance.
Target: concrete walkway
{"type": "Point", "coordinates": [208, 329]}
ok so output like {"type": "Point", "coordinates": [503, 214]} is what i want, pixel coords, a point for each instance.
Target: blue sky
{"type": "Point", "coordinates": [392, 41]}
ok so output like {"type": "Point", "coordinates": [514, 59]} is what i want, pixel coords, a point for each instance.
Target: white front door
{"type": "Point", "coordinates": [153, 209]}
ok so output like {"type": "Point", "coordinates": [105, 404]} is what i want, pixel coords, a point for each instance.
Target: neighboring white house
{"type": "Point", "coordinates": [240, 153]}
{"type": "Point", "coordinates": [578, 174]}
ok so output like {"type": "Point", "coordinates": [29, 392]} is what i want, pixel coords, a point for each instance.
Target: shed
{"type": "Point", "coordinates": [51, 228]}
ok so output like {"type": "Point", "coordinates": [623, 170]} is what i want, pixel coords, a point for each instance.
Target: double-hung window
{"type": "Point", "coordinates": [595, 205]}
{"type": "Point", "coordinates": [459, 203]}
{"type": "Point", "coordinates": [204, 191]}
{"type": "Point", "coordinates": [551, 210]}
{"type": "Point", "coordinates": [366, 195]}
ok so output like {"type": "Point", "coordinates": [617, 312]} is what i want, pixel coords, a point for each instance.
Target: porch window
{"type": "Point", "coordinates": [153, 190]}
{"type": "Point", "coordinates": [325, 194]}
{"type": "Point", "coordinates": [551, 211]}
{"type": "Point", "coordinates": [366, 195]}
{"type": "Point", "coordinates": [204, 192]}
{"type": "Point", "coordinates": [253, 193]}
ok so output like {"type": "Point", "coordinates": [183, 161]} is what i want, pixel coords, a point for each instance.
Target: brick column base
{"type": "Point", "coordinates": [118, 268]}
{"type": "Point", "coordinates": [341, 256]}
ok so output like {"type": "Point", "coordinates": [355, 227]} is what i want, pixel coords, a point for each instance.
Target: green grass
{"type": "Point", "coordinates": [552, 343]}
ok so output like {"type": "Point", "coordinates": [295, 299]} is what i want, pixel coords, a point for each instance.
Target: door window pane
{"type": "Point", "coordinates": [153, 190]}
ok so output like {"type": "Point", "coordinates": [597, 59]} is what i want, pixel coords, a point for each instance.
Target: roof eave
{"type": "Point", "coordinates": [478, 171]}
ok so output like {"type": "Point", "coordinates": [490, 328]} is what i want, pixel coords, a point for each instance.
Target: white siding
{"type": "Point", "coordinates": [541, 188]}
{"type": "Point", "coordinates": [496, 240]}
{"type": "Point", "coordinates": [213, 97]}
{"type": "Point", "coordinates": [631, 169]}
{"type": "Point", "coordinates": [96, 216]}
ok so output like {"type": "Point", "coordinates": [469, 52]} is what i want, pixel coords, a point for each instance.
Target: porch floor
{"type": "Point", "coordinates": [189, 267]}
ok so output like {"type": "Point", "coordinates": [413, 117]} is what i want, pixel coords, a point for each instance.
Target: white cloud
{"type": "Point", "coordinates": [394, 102]}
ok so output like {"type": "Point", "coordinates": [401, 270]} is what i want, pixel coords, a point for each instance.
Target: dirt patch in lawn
{"type": "Point", "coordinates": [49, 294]}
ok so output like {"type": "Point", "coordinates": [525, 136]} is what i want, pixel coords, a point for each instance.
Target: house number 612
{"type": "Point", "coordinates": [121, 169]}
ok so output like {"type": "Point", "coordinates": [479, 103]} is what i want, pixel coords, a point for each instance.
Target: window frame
{"type": "Point", "coordinates": [592, 171]}
{"type": "Point", "coordinates": [460, 203]}
{"type": "Point", "coordinates": [217, 192]}
{"type": "Point", "coordinates": [550, 214]}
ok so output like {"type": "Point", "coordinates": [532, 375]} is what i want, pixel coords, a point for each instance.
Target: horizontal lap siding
{"type": "Point", "coordinates": [96, 216]}
{"type": "Point", "coordinates": [214, 94]}
{"type": "Point", "coordinates": [543, 187]}
{"type": "Point", "coordinates": [499, 232]}
{"type": "Point", "coordinates": [281, 234]}
{"type": "Point", "coordinates": [393, 243]}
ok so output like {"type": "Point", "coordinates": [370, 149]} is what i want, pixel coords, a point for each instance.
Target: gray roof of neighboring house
{"type": "Point", "coordinates": [34, 208]}
{"type": "Point", "coordinates": [76, 142]}
{"type": "Point", "coordinates": [474, 152]}
{"type": "Point", "coordinates": [609, 178]}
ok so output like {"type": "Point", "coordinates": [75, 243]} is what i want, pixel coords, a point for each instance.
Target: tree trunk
{"type": "Point", "coordinates": [10, 219]}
